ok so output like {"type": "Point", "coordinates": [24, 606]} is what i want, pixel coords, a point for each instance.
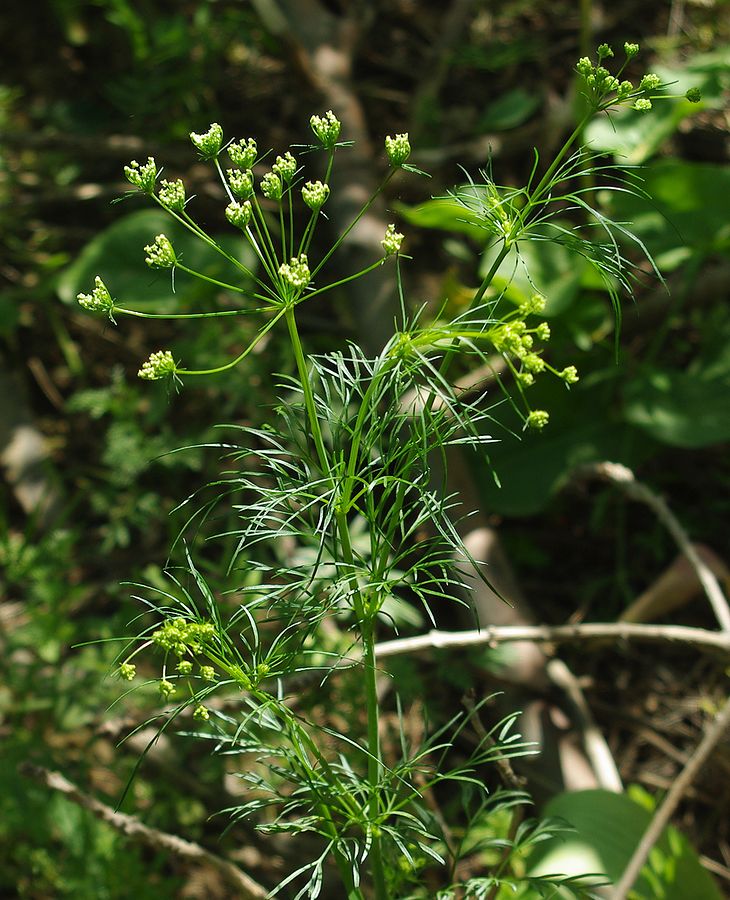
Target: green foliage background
{"type": "Point", "coordinates": [84, 87]}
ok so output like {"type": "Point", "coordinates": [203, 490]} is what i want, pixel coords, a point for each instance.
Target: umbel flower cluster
{"type": "Point", "coordinates": [285, 277]}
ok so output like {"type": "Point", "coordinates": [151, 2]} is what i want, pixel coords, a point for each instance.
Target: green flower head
{"type": "Point", "coordinates": [326, 128]}
{"type": "Point", "coordinates": [631, 50]}
{"type": "Point", "coordinates": [694, 95]}
{"type": "Point", "coordinates": [538, 419]}
{"type": "Point", "coordinates": [398, 149]}
{"type": "Point", "coordinates": [392, 241]}
{"type": "Point", "coordinates": [209, 143]}
{"type": "Point", "coordinates": [99, 300]}
{"type": "Point", "coordinates": [243, 153]}
{"type": "Point", "coordinates": [241, 182]}
{"type": "Point", "coordinates": [642, 104]}
{"type": "Point", "coordinates": [201, 714]}
{"type": "Point", "coordinates": [142, 177]}
{"type": "Point", "coordinates": [285, 167]}
{"type": "Point", "coordinates": [604, 51]}
{"type": "Point", "coordinates": [160, 254]}
{"type": "Point", "coordinates": [159, 365]}
{"type": "Point", "coordinates": [649, 82]}
{"type": "Point", "coordinates": [239, 214]}
{"type": "Point", "coordinates": [127, 671]}
{"type": "Point", "coordinates": [271, 186]}
{"type": "Point", "coordinates": [166, 689]}
{"type": "Point", "coordinates": [569, 375]}
{"type": "Point", "coordinates": [315, 194]}
{"type": "Point", "coordinates": [172, 195]}
{"type": "Point", "coordinates": [296, 273]}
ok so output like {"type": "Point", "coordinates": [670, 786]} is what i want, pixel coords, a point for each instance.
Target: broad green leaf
{"type": "Point", "coordinates": [688, 212]}
{"type": "Point", "coordinates": [608, 828]}
{"type": "Point", "coordinates": [585, 426]}
{"type": "Point", "coordinates": [680, 408]}
{"type": "Point", "coordinates": [446, 214]}
{"type": "Point", "coordinates": [510, 110]}
{"type": "Point", "coordinates": [544, 266]}
{"type": "Point", "coordinates": [117, 254]}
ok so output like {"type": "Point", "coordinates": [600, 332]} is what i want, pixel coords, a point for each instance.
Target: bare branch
{"type": "Point", "coordinates": [547, 634]}
{"type": "Point", "coordinates": [624, 478]}
{"type": "Point", "coordinates": [246, 887]}
{"type": "Point", "coordinates": [712, 737]}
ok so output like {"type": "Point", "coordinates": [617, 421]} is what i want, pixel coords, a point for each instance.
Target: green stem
{"type": "Point", "coordinates": [229, 365]}
{"type": "Point", "coordinates": [365, 617]}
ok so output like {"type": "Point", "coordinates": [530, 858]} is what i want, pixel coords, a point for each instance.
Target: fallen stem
{"type": "Point", "coordinates": [712, 737]}
{"type": "Point", "coordinates": [546, 634]}
{"type": "Point", "coordinates": [247, 888]}
{"type": "Point", "coordinates": [625, 479]}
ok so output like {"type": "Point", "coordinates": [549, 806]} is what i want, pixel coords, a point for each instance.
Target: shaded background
{"type": "Point", "coordinates": [86, 496]}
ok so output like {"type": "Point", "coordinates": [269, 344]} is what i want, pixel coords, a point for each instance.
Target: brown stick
{"type": "Point", "coordinates": [548, 634]}
{"type": "Point", "coordinates": [712, 737]}
{"type": "Point", "coordinates": [624, 478]}
{"type": "Point", "coordinates": [246, 887]}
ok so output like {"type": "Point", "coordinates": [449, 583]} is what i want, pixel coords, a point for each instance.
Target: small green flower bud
{"type": "Point", "coordinates": [172, 195]}
{"type": "Point", "coordinates": [610, 84]}
{"type": "Point", "coordinates": [392, 241]}
{"type": "Point", "coordinates": [631, 50]}
{"type": "Point", "coordinates": [166, 689]}
{"type": "Point", "coordinates": [649, 82]}
{"type": "Point", "coordinates": [127, 671]}
{"type": "Point", "coordinates": [241, 182]}
{"type": "Point", "coordinates": [142, 177]}
{"type": "Point", "coordinates": [326, 128]}
{"type": "Point", "coordinates": [538, 419]}
{"type": "Point", "coordinates": [642, 105]}
{"type": "Point", "coordinates": [208, 144]}
{"type": "Point", "coordinates": [526, 340]}
{"type": "Point", "coordinates": [601, 74]}
{"type": "Point", "coordinates": [239, 214]}
{"type": "Point", "coordinates": [398, 149]}
{"type": "Point", "coordinates": [243, 153]}
{"type": "Point", "coordinates": [315, 194]}
{"type": "Point", "coordinates": [624, 90]}
{"type": "Point", "coordinates": [526, 379]}
{"type": "Point", "coordinates": [533, 363]}
{"type": "Point", "coordinates": [584, 66]}
{"type": "Point", "coordinates": [159, 365]}
{"type": "Point", "coordinates": [536, 304]}
{"type": "Point", "coordinates": [694, 95]}
{"type": "Point", "coordinates": [184, 667]}
{"type": "Point", "coordinates": [208, 672]}
{"type": "Point", "coordinates": [271, 186]}
{"type": "Point", "coordinates": [569, 375]}
{"type": "Point", "coordinates": [201, 714]}
{"type": "Point", "coordinates": [160, 254]}
{"type": "Point", "coordinates": [285, 167]}
{"type": "Point", "coordinates": [296, 272]}
{"type": "Point", "coordinates": [99, 300]}
{"type": "Point", "coordinates": [604, 51]}
{"type": "Point", "coordinates": [543, 331]}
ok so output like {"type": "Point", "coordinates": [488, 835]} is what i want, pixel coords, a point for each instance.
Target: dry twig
{"type": "Point", "coordinates": [556, 634]}
{"type": "Point", "coordinates": [713, 735]}
{"type": "Point", "coordinates": [624, 478]}
{"type": "Point", "coordinates": [246, 888]}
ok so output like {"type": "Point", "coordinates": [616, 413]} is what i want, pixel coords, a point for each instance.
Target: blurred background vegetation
{"type": "Point", "coordinates": [88, 491]}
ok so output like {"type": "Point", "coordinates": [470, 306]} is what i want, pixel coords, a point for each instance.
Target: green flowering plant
{"type": "Point", "coordinates": [352, 450]}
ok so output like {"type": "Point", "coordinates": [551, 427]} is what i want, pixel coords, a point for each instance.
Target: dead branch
{"type": "Point", "coordinates": [132, 828]}
{"type": "Point", "coordinates": [557, 634]}
{"type": "Point", "coordinates": [624, 478]}
{"type": "Point", "coordinates": [712, 737]}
